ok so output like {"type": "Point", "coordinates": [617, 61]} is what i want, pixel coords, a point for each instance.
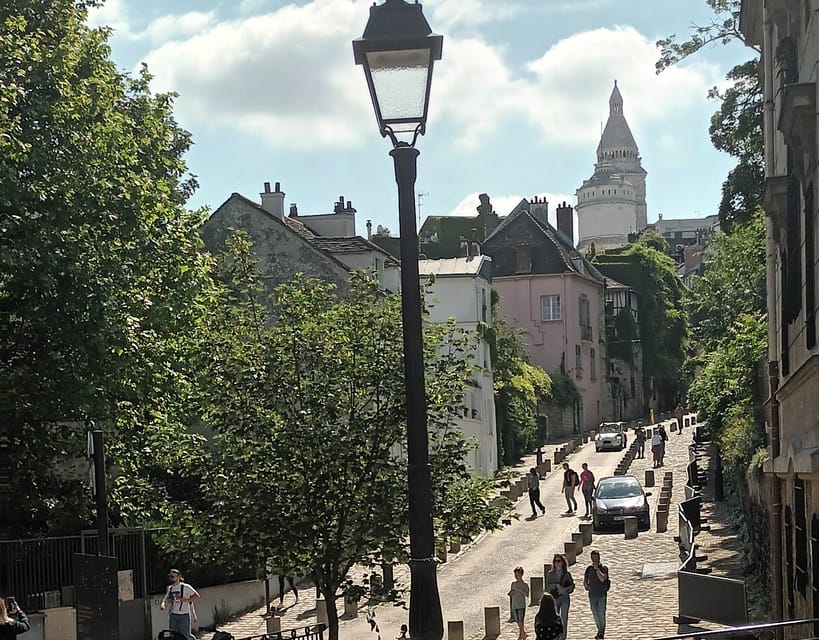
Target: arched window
{"type": "Point", "coordinates": [801, 536]}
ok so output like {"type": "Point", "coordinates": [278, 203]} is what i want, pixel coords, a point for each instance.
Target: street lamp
{"type": "Point", "coordinates": [398, 50]}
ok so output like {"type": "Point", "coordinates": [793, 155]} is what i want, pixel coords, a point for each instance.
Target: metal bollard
{"type": "Point", "coordinates": [661, 520]}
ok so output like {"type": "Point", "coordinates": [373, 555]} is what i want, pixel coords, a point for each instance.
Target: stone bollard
{"type": "Point", "coordinates": [557, 457]}
{"type": "Point", "coordinates": [649, 478]}
{"type": "Point", "coordinates": [586, 528]}
{"type": "Point", "coordinates": [662, 520]}
{"type": "Point", "coordinates": [455, 546]}
{"type": "Point", "coordinates": [321, 611]}
{"type": "Point", "coordinates": [351, 608]}
{"type": "Point", "coordinates": [630, 527]}
{"type": "Point", "coordinates": [577, 538]}
{"type": "Point", "coordinates": [570, 553]}
{"type": "Point", "coordinates": [687, 422]}
{"type": "Point", "coordinates": [535, 590]}
{"type": "Point", "coordinates": [442, 551]}
{"type": "Point", "coordinates": [547, 567]}
{"type": "Point", "coordinates": [673, 426]}
{"type": "Point", "coordinates": [668, 475]}
{"type": "Point", "coordinates": [455, 630]}
{"type": "Point", "coordinates": [547, 466]}
{"type": "Point", "coordinates": [491, 621]}
{"type": "Point", "coordinates": [389, 577]}
{"type": "Point", "coordinates": [274, 624]}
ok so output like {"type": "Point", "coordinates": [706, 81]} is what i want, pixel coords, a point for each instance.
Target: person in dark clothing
{"type": "Point", "coordinates": [640, 437]}
{"type": "Point", "coordinates": [570, 482]}
{"type": "Point", "coordinates": [13, 621]}
{"type": "Point", "coordinates": [596, 582]}
{"type": "Point", "coordinates": [291, 580]}
{"type": "Point", "coordinates": [548, 625]}
{"type": "Point", "coordinates": [534, 492]}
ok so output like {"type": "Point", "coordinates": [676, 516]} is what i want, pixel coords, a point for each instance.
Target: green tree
{"type": "Point", "coordinates": [736, 127]}
{"type": "Point", "coordinates": [519, 388]}
{"type": "Point", "coordinates": [733, 283]}
{"type": "Point", "coordinates": [645, 267]}
{"type": "Point", "coordinates": [309, 428]}
{"type": "Point", "coordinates": [101, 278]}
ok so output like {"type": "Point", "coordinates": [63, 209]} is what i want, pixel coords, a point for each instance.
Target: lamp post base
{"type": "Point", "coordinates": [426, 621]}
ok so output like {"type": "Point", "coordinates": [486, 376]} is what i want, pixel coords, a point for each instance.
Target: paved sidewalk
{"type": "Point", "coordinates": [643, 596]}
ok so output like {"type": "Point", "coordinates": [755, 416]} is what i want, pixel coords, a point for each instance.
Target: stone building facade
{"type": "Point", "coordinates": [611, 204]}
{"type": "Point", "coordinates": [787, 31]}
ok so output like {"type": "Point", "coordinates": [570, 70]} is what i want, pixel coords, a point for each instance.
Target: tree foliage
{"type": "Point", "coordinates": [101, 278]}
{"type": "Point", "coordinates": [733, 283]}
{"type": "Point", "coordinates": [519, 388]}
{"type": "Point", "coordinates": [645, 267]}
{"type": "Point", "coordinates": [736, 127]}
{"type": "Point", "coordinates": [309, 427]}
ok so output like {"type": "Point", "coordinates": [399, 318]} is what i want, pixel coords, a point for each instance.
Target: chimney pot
{"type": "Point", "coordinates": [349, 204]}
{"type": "Point", "coordinates": [278, 187]}
{"type": "Point", "coordinates": [267, 187]}
{"type": "Point", "coordinates": [294, 210]}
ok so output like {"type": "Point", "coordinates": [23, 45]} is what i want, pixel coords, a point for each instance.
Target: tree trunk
{"type": "Point", "coordinates": [332, 611]}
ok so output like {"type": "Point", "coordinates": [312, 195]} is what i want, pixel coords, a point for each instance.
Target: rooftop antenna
{"type": "Point", "coordinates": [421, 196]}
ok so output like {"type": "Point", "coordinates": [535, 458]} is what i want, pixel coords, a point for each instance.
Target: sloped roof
{"type": "Point", "coordinates": [616, 134]}
{"type": "Point", "coordinates": [350, 244]}
{"type": "Point", "coordinates": [461, 266]}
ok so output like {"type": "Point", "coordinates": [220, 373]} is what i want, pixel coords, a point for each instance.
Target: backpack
{"type": "Point", "coordinates": [576, 478]}
{"type": "Point", "coordinates": [222, 635]}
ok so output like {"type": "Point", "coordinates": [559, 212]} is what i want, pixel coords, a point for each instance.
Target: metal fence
{"type": "Point", "coordinates": [313, 632]}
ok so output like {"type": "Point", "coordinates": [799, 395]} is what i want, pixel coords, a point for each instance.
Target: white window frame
{"type": "Point", "coordinates": [550, 301]}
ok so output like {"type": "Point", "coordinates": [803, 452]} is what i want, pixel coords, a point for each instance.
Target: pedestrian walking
{"type": "Point", "coordinates": [664, 436]}
{"type": "Point", "coordinates": [286, 577]}
{"type": "Point", "coordinates": [587, 489]}
{"type": "Point", "coordinates": [640, 437]}
{"type": "Point", "coordinates": [570, 482]}
{"type": "Point", "coordinates": [548, 625]}
{"type": "Point", "coordinates": [656, 448]}
{"type": "Point", "coordinates": [679, 412]}
{"type": "Point", "coordinates": [403, 633]}
{"type": "Point", "coordinates": [519, 592]}
{"type": "Point", "coordinates": [534, 492]}
{"type": "Point", "coordinates": [13, 621]}
{"type": "Point", "coordinates": [596, 582]}
{"type": "Point", "coordinates": [179, 597]}
{"type": "Point", "coordinates": [560, 584]}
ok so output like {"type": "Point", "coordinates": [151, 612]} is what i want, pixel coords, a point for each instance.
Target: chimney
{"type": "Point", "coordinates": [539, 209]}
{"type": "Point", "coordinates": [294, 211]}
{"type": "Point", "coordinates": [565, 221]}
{"type": "Point", "coordinates": [464, 248]}
{"type": "Point", "coordinates": [273, 201]}
{"type": "Point", "coordinates": [369, 229]}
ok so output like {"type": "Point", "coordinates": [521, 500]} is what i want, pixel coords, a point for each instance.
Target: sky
{"type": "Point", "coordinates": [270, 92]}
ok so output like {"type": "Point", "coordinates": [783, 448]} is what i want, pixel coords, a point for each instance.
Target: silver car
{"type": "Point", "coordinates": [610, 436]}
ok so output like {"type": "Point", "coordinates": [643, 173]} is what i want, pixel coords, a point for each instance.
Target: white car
{"type": "Point", "coordinates": [611, 436]}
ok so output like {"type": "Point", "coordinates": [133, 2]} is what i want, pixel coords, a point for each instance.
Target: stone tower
{"type": "Point", "coordinates": [612, 203]}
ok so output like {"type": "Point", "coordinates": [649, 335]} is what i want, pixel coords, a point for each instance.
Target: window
{"type": "Point", "coordinates": [810, 274]}
{"type": "Point", "coordinates": [578, 362]}
{"type": "Point", "coordinates": [592, 365]}
{"type": "Point", "coordinates": [524, 260]}
{"type": "Point", "coordinates": [814, 563]}
{"type": "Point", "coordinates": [584, 316]}
{"type": "Point", "coordinates": [549, 308]}
{"type": "Point", "coordinates": [789, 560]}
{"type": "Point", "coordinates": [801, 536]}
{"type": "Point", "coordinates": [793, 244]}
{"type": "Point", "coordinates": [484, 307]}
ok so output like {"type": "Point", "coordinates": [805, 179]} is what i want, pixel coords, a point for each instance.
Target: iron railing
{"type": "Point", "coordinates": [747, 629]}
{"type": "Point", "coordinates": [312, 632]}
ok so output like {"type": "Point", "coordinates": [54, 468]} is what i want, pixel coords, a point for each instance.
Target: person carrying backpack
{"type": "Point", "coordinates": [570, 482]}
{"type": "Point", "coordinates": [180, 597]}
{"type": "Point", "coordinates": [596, 582]}
{"type": "Point", "coordinates": [548, 625]}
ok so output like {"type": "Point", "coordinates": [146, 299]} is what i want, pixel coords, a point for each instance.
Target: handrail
{"type": "Point", "coordinates": [748, 628]}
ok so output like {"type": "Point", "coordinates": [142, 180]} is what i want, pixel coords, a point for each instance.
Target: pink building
{"type": "Point", "coordinates": [556, 297]}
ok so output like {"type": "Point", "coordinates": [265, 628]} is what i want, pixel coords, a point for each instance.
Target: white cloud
{"type": "Point", "coordinates": [288, 78]}
{"type": "Point", "coordinates": [503, 204]}
{"type": "Point", "coordinates": [448, 14]}
{"type": "Point", "coordinates": [110, 14]}
{"type": "Point", "coordinates": [176, 27]}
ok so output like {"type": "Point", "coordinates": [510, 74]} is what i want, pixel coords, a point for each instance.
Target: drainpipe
{"type": "Point", "coordinates": [773, 362]}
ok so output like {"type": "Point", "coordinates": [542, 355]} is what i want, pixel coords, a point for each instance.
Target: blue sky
{"type": "Point", "coordinates": [270, 92]}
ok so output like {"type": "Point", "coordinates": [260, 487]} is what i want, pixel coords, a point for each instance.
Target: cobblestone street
{"type": "Point", "coordinates": [643, 597]}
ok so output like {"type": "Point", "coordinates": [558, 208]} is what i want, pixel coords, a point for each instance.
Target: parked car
{"type": "Point", "coordinates": [610, 435]}
{"type": "Point", "coordinates": [617, 497]}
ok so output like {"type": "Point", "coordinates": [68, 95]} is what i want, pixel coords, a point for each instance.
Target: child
{"type": "Point", "coordinates": [519, 592]}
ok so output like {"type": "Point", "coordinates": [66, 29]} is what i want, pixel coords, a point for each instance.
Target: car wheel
{"type": "Point", "coordinates": [595, 524]}
{"type": "Point", "coordinates": [597, 449]}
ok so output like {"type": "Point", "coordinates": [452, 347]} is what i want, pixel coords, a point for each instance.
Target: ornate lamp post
{"type": "Point", "coordinates": [398, 50]}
